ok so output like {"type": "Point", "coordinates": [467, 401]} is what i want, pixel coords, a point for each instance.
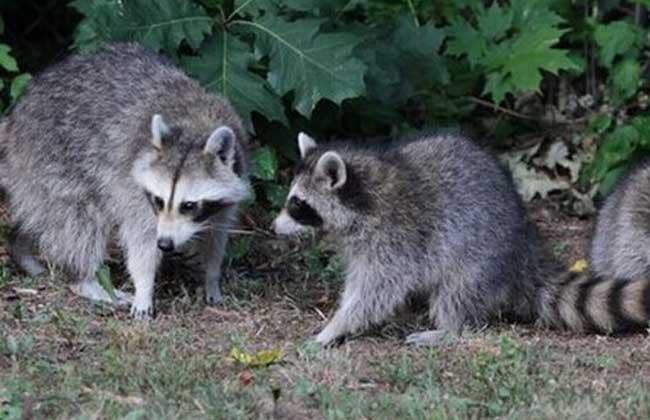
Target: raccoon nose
{"type": "Point", "coordinates": [165, 245]}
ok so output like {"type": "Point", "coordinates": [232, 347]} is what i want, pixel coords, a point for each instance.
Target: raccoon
{"type": "Point", "coordinates": [621, 241]}
{"type": "Point", "coordinates": [436, 217]}
{"type": "Point", "coordinates": [121, 145]}
{"type": "Point", "coordinates": [620, 252]}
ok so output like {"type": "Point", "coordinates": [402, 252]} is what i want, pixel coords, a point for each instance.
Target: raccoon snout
{"type": "Point", "coordinates": [274, 228]}
{"type": "Point", "coordinates": [165, 244]}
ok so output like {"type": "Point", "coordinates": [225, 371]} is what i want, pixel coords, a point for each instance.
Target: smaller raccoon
{"type": "Point", "coordinates": [435, 217]}
{"type": "Point", "coordinates": [438, 217]}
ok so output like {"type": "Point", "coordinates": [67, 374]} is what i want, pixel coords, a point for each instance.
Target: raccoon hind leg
{"type": "Point", "coordinates": [75, 237]}
{"type": "Point", "coordinates": [214, 251]}
{"type": "Point", "coordinates": [21, 250]}
{"type": "Point", "coordinates": [459, 306]}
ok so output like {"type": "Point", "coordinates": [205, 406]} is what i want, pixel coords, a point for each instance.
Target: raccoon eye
{"type": "Point", "coordinates": [295, 202]}
{"type": "Point", "coordinates": [158, 202]}
{"type": "Point", "coordinates": [188, 207]}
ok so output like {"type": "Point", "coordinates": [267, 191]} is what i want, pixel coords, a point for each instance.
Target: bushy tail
{"type": "Point", "coordinates": [585, 302]}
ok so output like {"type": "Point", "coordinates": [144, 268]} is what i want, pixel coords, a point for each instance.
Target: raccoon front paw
{"type": "Point", "coordinates": [431, 338]}
{"type": "Point", "coordinates": [328, 338]}
{"type": "Point", "coordinates": [142, 312]}
{"type": "Point", "coordinates": [213, 297]}
{"type": "Point", "coordinates": [123, 298]}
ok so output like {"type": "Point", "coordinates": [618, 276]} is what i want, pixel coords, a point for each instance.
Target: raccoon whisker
{"type": "Point", "coordinates": [245, 232]}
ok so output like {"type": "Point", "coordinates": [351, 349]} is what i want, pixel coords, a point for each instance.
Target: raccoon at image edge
{"type": "Point", "coordinates": [621, 245]}
{"type": "Point", "coordinates": [437, 217]}
{"type": "Point", "coordinates": [121, 145]}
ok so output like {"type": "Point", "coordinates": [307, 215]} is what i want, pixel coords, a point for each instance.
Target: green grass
{"type": "Point", "coordinates": [62, 357]}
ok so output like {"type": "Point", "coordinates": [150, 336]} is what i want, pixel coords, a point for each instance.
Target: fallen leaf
{"type": "Point", "coordinates": [246, 377]}
{"type": "Point", "coordinates": [262, 358]}
{"type": "Point", "coordinates": [324, 298]}
{"type": "Point", "coordinates": [579, 266]}
{"type": "Point", "coordinates": [556, 155]}
{"type": "Point", "coordinates": [22, 291]}
{"type": "Point", "coordinates": [529, 181]}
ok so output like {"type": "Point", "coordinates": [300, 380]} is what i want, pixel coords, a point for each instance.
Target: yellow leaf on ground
{"type": "Point", "coordinates": [579, 266]}
{"type": "Point", "coordinates": [260, 359]}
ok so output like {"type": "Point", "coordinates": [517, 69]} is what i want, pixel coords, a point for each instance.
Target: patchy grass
{"type": "Point", "coordinates": [61, 357]}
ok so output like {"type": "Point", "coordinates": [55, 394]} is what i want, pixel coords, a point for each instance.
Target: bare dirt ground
{"type": "Point", "coordinates": [62, 357]}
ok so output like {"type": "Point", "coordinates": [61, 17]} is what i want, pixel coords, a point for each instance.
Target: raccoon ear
{"type": "Point", "coordinates": [221, 143]}
{"type": "Point", "coordinates": [159, 130]}
{"type": "Point", "coordinates": [305, 144]}
{"type": "Point", "coordinates": [331, 167]}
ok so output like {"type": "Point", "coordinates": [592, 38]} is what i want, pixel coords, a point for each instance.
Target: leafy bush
{"type": "Point", "coordinates": [375, 69]}
{"type": "Point", "coordinates": [12, 81]}
{"type": "Point", "coordinates": [336, 67]}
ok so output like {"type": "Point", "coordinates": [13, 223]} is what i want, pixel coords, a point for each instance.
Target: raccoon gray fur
{"type": "Point", "coordinates": [621, 245]}
{"type": "Point", "coordinates": [121, 145]}
{"type": "Point", "coordinates": [621, 242]}
{"type": "Point", "coordinates": [436, 217]}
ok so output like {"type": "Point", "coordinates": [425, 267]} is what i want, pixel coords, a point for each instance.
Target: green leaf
{"type": "Point", "coordinates": [94, 28]}
{"type": "Point", "coordinates": [511, 46]}
{"type": "Point", "coordinates": [403, 61]}
{"type": "Point", "coordinates": [18, 85]}
{"type": "Point", "coordinates": [104, 278]}
{"type": "Point", "coordinates": [614, 39]}
{"type": "Point", "coordinates": [625, 79]}
{"type": "Point", "coordinates": [494, 22]}
{"type": "Point", "coordinates": [310, 64]}
{"type": "Point", "coordinates": [423, 40]}
{"type": "Point", "coordinates": [255, 7]}
{"type": "Point", "coordinates": [530, 14]}
{"type": "Point", "coordinates": [601, 123]}
{"type": "Point", "coordinates": [6, 60]}
{"type": "Point", "coordinates": [302, 5]}
{"type": "Point", "coordinates": [222, 66]}
{"type": "Point", "coordinates": [497, 86]}
{"type": "Point", "coordinates": [642, 125]}
{"type": "Point", "coordinates": [532, 51]}
{"type": "Point", "coordinates": [616, 148]}
{"type": "Point", "coordinates": [276, 194]}
{"type": "Point", "coordinates": [465, 40]}
{"type": "Point", "coordinates": [519, 65]}
{"type": "Point", "coordinates": [264, 164]}
{"type": "Point", "coordinates": [159, 25]}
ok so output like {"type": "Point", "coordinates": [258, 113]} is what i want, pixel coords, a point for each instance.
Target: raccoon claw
{"type": "Point", "coordinates": [142, 314]}
{"type": "Point", "coordinates": [430, 338]}
{"type": "Point", "coordinates": [214, 299]}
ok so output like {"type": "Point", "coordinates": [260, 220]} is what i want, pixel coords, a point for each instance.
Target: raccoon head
{"type": "Point", "coordinates": [189, 179]}
{"type": "Point", "coordinates": [321, 194]}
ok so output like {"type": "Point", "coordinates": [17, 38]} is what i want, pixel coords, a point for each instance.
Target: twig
{"type": "Point", "coordinates": [516, 114]}
{"type": "Point", "coordinates": [496, 107]}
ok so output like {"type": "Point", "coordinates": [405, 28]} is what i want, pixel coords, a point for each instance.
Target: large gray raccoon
{"type": "Point", "coordinates": [121, 142]}
{"type": "Point", "coordinates": [438, 217]}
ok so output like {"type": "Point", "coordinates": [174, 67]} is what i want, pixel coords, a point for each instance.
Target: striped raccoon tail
{"type": "Point", "coordinates": [585, 302]}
